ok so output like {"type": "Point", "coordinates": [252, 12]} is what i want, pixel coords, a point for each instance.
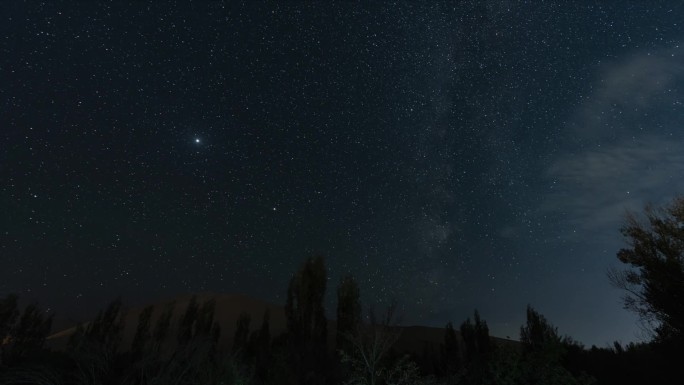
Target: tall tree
{"type": "Point", "coordinates": [205, 318]}
{"type": "Point", "coordinates": [9, 311]}
{"type": "Point", "coordinates": [348, 312]}
{"type": "Point", "coordinates": [477, 344]}
{"type": "Point", "coordinates": [262, 363]}
{"type": "Point", "coordinates": [538, 333]}
{"type": "Point", "coordinates": [28, 335]}
{"type": "Point", "coordinates": [207, 331]}
{"type": "Point", "coordinates": [654, 283]}
{"type": "Point", "coordinates": [142, 333]}
{"type": "Point", "coordinates": [185, 328]}
{"type": "Point", "coordinates": [543, 352]}
{"type": "Point", "coordinates": [484, 342]}
{"type": "Point", "coordinates": [306, 322]}
{"type": "Point", "coordinates": [241, 336]}
{"type": "Point", "coordinates": [76, 338]}
{"type": "Point", "coordinates": [94, 348]}
{"type": "Point", "coordinates": [161, 328]}
{"type": "Point", "coordinates": [105, 331]}
{"type": "Point", "coordinates": [476, 338]}
{"type": "Point", "coordinates": [371, 343]}
{"type": "Point", "coordinates": [451, 358]}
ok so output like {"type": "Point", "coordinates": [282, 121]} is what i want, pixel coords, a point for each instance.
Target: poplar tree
{"type": "Point", "coordinates": [306, 322]}
{"type": "Point", "coordinates": [142, 333]}
{"type": "Point", "coordinates": [348, 312]}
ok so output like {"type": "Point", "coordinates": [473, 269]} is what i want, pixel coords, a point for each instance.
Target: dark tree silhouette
{"type": "Point", "coordinates": [142, 333]}
{"type": "Point", "coordinates": [451, 354]}
{"type": "Point", "coordinates": [206, 331]}
{"type": "Point", "coordinates": [371, 344]}
{"type": "Point", "coordinates": [262, 359]}
{"type": "Point", "coordinates": [478, 348]}
{"type": "Point", "coordinates": [543, 353]}
{"type": "Point", "coordinates": [9, 311]}
{"type": "Point", "coordinates": [241, 337]}
{"type": "Point", "coordinates": [476, 338]}
{"type": "Point", "coordinates": [104, 332]}
{"type": "Point", "coordinates": [205, 319]}
{"type": "Point", "coordinates": [654, 284]}
{"type": "Point", "coordinates": [538, 334]}
{"type": "Point", "coordinates": [306, 322]}
{"type": "Point", "coordinates": [348, 312]}
{"type": "Point", "coordinates": [161, 328]}
{"type": "Point", "coordinates": [76, 338]}
{"type": "Point", "coordinates": [94, 348]}
{"type": "Point", "coordinates": [185, 328]}
{"type": "Point", "coordinates": [27, 334]}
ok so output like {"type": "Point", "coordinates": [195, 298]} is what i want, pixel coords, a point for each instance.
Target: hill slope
{"type": "Point", "coordinates": [229, 307]}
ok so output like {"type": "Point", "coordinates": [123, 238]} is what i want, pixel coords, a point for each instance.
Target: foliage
{"type": "Point", "coordinates": [451, 351]}
{"type": "Point", "coordinates": [538, 335]}
{"type": "Point", "coordinates": [21, 334]}
{"type": "Point", "coordinates": [161, 329]}
{"type": "Point", "coordinates": [370, 344]}
{"type": "Point", "coordinates": [306, 322]}
{"type": "Point", "coordinates": [543, 353]}
{"type": "Point", "coordinates": [403, 372]}
{"type": "Point", "coordinates": [477, 349]}
{"type": "Point", "coordinates": [187, 321]}
{"type": "Point", "coordinates": [142, 332]}
{"type": "Point", "coordinates": [9, 312]}
{"type": "Point", "coordinates": [654, 284]}
{"type": "Point", "coordinates": [300, 356]}
{"type": "Point", "coordinates": [505, 366]}
{"type": "Point", "coordinates": [476, 337]}
{"type": "Point", "coordinates": [94, 348]}
{"type": "Point", "coordinates": [204, 324]}
{"type": "Point", "coordinates": [241, 336]}
{"type": "Point", "coordinates": [28, 335]}
{"type": "Point", "coordinates": [348, 311]}
{"type": "Point", "coordinates": [262, 351]}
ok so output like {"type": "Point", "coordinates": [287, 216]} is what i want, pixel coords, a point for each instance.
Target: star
{"type": "Point", "coordinates": [197, 140]}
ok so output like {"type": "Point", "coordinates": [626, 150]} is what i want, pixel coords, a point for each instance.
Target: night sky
{"type": "Point", "coordinates": [476, 155]}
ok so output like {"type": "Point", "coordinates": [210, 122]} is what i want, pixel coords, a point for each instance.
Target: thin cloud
{"type": "Point", "coordinates": [629, 92]}
{"type": "Point", "coordinates": [633, 158]}
{"type": "Point", "coordinates": [595, 187]}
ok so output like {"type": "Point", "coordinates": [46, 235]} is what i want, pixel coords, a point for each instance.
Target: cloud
{"type": "Point", "coordinates": [639, 80]}
{"type": "Point", "coordinates": [635, 155]}
{"type": "Point", "coordinates": [595, 187]}
{"type": "Point", "coordinates": [630, 91]}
